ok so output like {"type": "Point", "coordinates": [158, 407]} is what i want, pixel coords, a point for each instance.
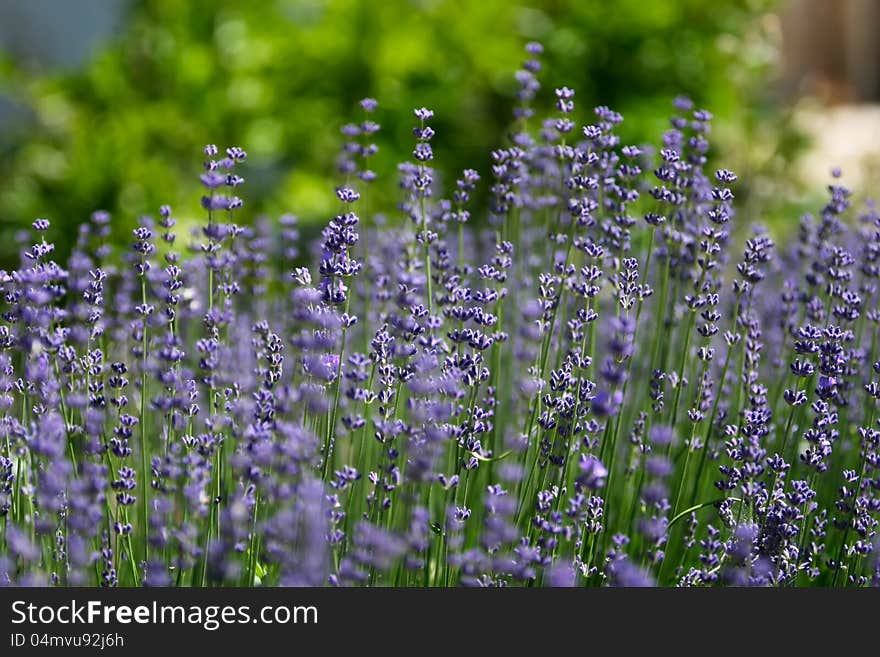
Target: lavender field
{"type": "Point", "coordinates": [607, 377]}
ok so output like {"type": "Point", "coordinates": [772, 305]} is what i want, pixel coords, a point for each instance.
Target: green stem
{"type": "Point", "coordinates": [331, 423]}
{"type": "Point", "coordinates": [427, 249]}
{"type": "Point", "coordinates": [145, 470]}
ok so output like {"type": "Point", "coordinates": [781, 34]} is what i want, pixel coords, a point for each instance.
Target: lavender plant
{"type": "Point", "coordinates": [586, 386]}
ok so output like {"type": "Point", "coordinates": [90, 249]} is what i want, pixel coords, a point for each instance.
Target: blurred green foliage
{"type": "Point", "coordinates": [279, 77]}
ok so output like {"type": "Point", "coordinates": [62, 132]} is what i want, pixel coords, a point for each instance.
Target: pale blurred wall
{"type": "Point", "coordinates": [831, 76]}
{"type": "Point", "coordinates": [831, 50]}
{"type": "Point", "coordinates": [57, 33]}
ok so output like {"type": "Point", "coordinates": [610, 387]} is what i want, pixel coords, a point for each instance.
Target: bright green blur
{"type": "Point", "coordinates": [279, 78]}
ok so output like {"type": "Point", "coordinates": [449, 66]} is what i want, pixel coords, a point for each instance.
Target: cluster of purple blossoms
{"type": "Point", "coordinates": [581, 385]}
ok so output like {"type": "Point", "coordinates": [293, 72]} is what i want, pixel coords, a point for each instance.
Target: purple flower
{"type": "Point", "coordinates": [592, 472]}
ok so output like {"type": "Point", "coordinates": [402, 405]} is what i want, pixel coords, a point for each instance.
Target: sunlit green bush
{"type": "Point", "coordinates": [278, 75]}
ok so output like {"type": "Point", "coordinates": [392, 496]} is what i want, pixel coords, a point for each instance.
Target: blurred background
{"type": "Point", "coordinates": [107, 103]}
